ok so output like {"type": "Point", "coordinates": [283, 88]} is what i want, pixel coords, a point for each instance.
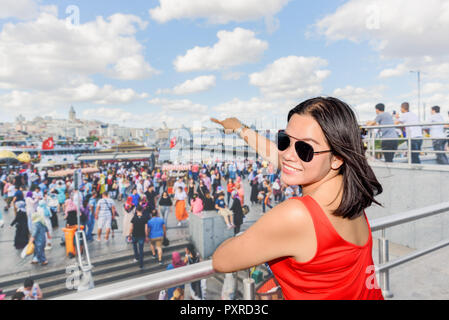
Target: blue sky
{"type": "Point", "coordinates": [140, 63]}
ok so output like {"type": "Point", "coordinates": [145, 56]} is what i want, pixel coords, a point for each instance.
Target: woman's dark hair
{"type": "Point", "coordinates": [191, 249]}
{"type": "Point", "coordinates": [19, 295]}
{"type": "Point", "coordinates": [341, 131]}
{"type": "Point", "coordinates": [28, 282]}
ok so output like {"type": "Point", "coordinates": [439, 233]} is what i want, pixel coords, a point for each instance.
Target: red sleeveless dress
{"type": "Point", "coordinates": [340, 270]}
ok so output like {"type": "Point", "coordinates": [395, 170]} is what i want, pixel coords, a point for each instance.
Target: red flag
{"type": "Point", "coordinates": [48, 144]}
{"type": "Point", "coordinates": [172, 142]}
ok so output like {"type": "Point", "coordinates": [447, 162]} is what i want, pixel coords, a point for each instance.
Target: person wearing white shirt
{"type": "Point", "coordinates": [179, 183]}
{"type": "Point", "coordinates": [437, 132]}
{"type": "Point", "coordinates": [415, 132]}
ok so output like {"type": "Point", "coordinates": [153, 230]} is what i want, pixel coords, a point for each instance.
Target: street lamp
{"type": "Point", "coordinates": [418, 72]}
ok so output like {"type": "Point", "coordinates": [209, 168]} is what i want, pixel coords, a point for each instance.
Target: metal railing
{"type": "Point", "coordinates": [372, 137]}
{"type": "Point", "coordinates": [142, 286]}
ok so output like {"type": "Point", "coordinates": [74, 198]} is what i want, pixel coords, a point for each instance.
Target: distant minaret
{"type": "Point", "coordinates": [72, 114]}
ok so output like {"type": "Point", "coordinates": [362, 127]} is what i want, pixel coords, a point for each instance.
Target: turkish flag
{"type": "Point", "coordinates": [48, 144]}
{"type": "Point", "coordinates": [172, 142]}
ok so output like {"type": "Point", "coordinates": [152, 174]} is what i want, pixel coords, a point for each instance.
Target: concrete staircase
{"type": "Point", "coordinates": [106, 270]}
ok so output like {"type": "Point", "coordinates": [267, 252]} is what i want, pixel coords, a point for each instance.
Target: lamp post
{"type": "Point", "coordinates": [418, 72]}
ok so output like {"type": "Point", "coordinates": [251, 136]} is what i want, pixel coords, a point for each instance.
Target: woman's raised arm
{"type": "Point", "coordinates": [263, 146]}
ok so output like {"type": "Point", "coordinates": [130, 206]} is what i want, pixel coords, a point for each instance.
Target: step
{"type": "Point", "coordinates": [101, 267]}
{"type": "Point", "coordinates": [132, 271]}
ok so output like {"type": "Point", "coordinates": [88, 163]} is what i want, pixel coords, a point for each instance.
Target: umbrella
{"type": "Point", "coordinates": [24, 157]}
{"type": "Point", "coordinates": [8, 157]}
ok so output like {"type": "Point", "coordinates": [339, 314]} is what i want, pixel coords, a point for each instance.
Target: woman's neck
{"type": "Point", "coordinates": [328, 188]}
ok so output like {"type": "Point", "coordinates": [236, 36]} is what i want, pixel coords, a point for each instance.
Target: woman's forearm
{"type": "Point", "coordinates": [266, 148]}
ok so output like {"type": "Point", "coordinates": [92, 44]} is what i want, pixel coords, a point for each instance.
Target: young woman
{"type": "Point", "coordinates": [127, 217]}
{"type": "Point", "coordinates": [190, 190]}
{"type": "Point", "coordinates": [165, 205]}
{"type": "Point", "coordinates": [180, 206]}
{"type": "Point", "coordinates": [197, 288]}
{"type": "Point", "coordinates": [318, 246]}
{"type": "Point", "coordinates": [196, 205]}
{"type": "Point", "coordinates": [202, 189]}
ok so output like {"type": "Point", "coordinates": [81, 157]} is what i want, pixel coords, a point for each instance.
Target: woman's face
{"type": "Point", "coordinates": [294, 171]}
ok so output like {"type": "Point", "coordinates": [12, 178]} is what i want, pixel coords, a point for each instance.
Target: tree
{"type": "Point", "coordinates": [92, 139]}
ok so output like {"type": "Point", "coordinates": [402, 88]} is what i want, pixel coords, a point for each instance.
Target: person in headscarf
{"type": "Point", "coordinates": [240, 192]}
{"type": "Point", "coordinates": [102, 183]}
{"type": "Point", "coordinates": [236, 208]}
{"type": "Point", "coordinates": [127, 217]}
{"type": "Point", "coordinates": [21, 222]}
{"type": "Point", "coordinates": [176, 262]}
{"type": "Point", "coordinates": [38, 237]}
{"type": "Point", "coordinates": [254, 191]}
{"type": "Point", "coordinates": [70, 212]}
{"type": "Point", "coordinates": [61, 188]}
{"type": "Point", "coordinates": [45, 211]}
{"type": "Point", "coordinates": [30, 204]}
{"type": "Point", "coordinates": [197, 288]}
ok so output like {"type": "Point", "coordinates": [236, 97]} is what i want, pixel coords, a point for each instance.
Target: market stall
{"type": "Point", "coordinates": [70, 172]}
{"type": "Point", "coordinates": [174, 172]}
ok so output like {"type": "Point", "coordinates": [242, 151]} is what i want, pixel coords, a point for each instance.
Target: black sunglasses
{"type": "Point", "coordinates": [303, 149]}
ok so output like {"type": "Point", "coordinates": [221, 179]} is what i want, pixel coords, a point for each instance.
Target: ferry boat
{"type": "Point", "coordinates": [63, 153]}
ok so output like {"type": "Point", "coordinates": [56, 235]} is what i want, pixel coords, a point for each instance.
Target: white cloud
{"type": "Point", "coordinates": [354, 95]}
{"type": "Point", "coordinates": [234, 48]}
{"type": "Point", "coordinates": [255, 110]}
{"type": "Point", "coordinates": [362, 100]}
{"type": "Point", "coordinates": [232, 75]}
{"type": "Point", "coordinates": [216, 11]}
{"type": "Point", "coordinates": [195, 85]}
{"type": "Point", "coordinates": [430, 67]}
{"type": "Point", "coordinates": [291, 77]}
{"type": "Point", "coordinates": [34, 103]}
{"type": "Point", "coordinates": [179, 107]}
{"type": "Point", "coordinates": [114, 115]}
{"type": "Point", "coordinates": [411, 30]}
{"type": "Point", "coordinates": [48, 53]}
{"type": "Point", "coordinates": [21, 9]}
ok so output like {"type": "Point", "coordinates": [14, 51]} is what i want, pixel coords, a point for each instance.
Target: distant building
{"type": "Point", "coordinates": [20, 119]}
{"type": "Point", "coordinates": [72, 114]}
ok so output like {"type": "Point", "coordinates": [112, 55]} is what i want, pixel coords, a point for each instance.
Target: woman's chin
{"type": "Point", "coordinates": [290, 180]}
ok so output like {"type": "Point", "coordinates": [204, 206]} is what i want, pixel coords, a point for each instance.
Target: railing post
{"type": "Point", "coordinates": [249, 289]}
{"type": "Point", "coordinates": [384, 277]}
{"type": "Point", "coordinates": [409, 154]}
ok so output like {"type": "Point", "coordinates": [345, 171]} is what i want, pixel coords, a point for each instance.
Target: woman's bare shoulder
{"type": "Point", "coordinates": [291, 214]}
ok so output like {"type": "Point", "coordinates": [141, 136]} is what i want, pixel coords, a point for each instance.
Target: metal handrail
{"type": "Point", "coordinates": [371, 139]}
{"type": "Point", "coordinates": [142, 286]}
{"type": "Point", "coordinates": [408, 216]}
{"type": "Point", "coordinates": [402, 125]}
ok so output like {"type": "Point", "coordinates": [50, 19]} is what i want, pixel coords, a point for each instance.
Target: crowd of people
{"type": "Point", "coordinates": [391, 135]}
{"type": "Point", "coordinates": [141, 195]}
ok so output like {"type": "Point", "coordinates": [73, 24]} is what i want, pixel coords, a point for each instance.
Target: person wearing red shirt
{"type": "Point", "coordinates": [229, 189]}
{"type": "Point", "coordinates": [318, 246]}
